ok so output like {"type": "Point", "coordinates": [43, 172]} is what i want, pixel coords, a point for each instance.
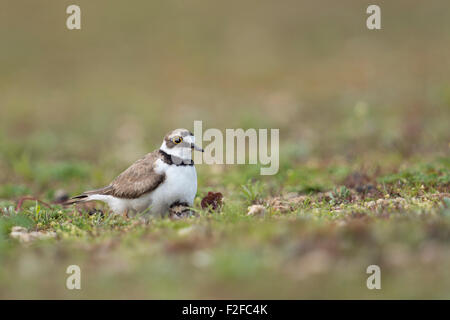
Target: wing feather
{"type": "Point", "coordinates": [138, 179]}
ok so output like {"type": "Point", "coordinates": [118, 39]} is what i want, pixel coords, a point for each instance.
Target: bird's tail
{"type": "Point", "coordinates": [77, 199]}
{"type": "Point", "coordinates": [86, 195]}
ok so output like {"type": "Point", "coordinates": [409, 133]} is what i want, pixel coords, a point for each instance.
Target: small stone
{"type": "Point", "coordinates": [35, 235]}
{"type": "Point", "coordinates": [15, 234]}
{"type": "Point", "coordinates": [186, 231]}
{"type": "Point", "coordinates": [18, 229]}
{"type": "Point", "coordinates": [256, 209]}
{"type": "Point", "coordinates": [22, 235]}
{"type": "Point", "coordinates": [371, 204]}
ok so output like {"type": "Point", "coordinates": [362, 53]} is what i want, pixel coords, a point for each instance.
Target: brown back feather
{"type": "Point", "coordinates": [138, 179]}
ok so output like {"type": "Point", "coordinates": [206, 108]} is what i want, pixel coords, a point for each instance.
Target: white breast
{"type": "Point", "coordinates": [179, 185]}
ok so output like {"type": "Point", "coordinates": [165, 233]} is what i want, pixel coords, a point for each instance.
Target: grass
{"type": "Point", "coordinates": [364, 155]}
{"type": "Point", "coordinates": [314, 240]}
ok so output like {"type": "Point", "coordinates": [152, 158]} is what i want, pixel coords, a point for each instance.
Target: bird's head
{"type": "Point", "coordinates": [180, 143]}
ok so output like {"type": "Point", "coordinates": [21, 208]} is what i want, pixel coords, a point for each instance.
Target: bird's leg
{"type": "Point", "coordinates": [125, 214]}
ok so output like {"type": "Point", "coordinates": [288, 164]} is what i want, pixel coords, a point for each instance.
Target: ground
{"type": "Point", "coordinates": [364, 175]}
{"type": "Point", "coordinates": [307, 244]}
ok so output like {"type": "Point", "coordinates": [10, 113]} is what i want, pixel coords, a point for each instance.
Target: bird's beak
{"type": "Point", "coordinates": [195, 147]}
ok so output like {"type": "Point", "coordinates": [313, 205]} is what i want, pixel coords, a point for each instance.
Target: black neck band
{"type": "Point", "coordinates": [167, 158]}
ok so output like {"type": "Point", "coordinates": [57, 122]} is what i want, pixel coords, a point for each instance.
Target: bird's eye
{"type": "Point", "coordinates": [177, 140]}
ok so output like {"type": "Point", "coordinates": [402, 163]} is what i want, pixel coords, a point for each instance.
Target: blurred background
{"type": "Point", "coordinates": [110, 91]}
{"type": "Point", "coordinates": [76, 107]}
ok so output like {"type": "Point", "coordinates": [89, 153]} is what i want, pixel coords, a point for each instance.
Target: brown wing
{"type": "Point", "coordinates": [138, 179]}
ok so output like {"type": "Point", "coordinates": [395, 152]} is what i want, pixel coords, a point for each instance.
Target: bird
{"type": "Point", "coordinates": [153, 184]}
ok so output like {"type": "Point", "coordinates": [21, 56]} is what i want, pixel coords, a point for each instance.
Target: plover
{"type": "Point", "coordinates": [163, 178]}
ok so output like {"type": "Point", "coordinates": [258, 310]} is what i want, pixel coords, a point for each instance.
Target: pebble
{"type": "Point", "coordinates": [256, 209]}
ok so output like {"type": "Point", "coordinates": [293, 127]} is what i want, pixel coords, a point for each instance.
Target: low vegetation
{"type": "Point", "coordinates": [364, 174]}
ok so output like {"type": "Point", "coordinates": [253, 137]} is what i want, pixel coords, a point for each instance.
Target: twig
{"type": "Point", "coordinates": [23, 199]}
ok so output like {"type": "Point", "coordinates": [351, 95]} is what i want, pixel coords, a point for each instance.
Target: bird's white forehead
{"type": "Point", "coordinates": [180, 132]}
